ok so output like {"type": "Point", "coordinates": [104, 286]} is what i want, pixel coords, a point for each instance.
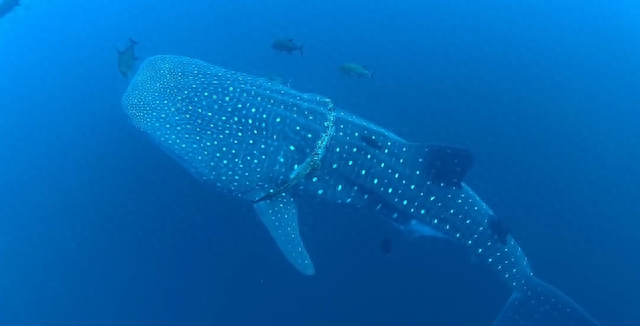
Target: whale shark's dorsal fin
{"type": "Point", "coordinates": [280, 215]}
{"type": "Point", "coordinates": [447, 164]}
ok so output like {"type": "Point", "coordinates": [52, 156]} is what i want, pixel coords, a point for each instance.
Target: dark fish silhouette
{"type": "Point", "coordinates": [356, 70]}
{"type": "Point", "coordinates": [288, 46]}
{"type": "Point", "coordinates": [7, 6]}
{"type": "Point", "coordinates": [127, 58]}
{"type": "Point", "coordinates": [279, 79]}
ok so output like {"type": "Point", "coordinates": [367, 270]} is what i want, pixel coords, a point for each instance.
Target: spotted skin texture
{"type": "Point", "coordinates": [232, 131]}
{"type": "Point", "coordinates": [248, 137]}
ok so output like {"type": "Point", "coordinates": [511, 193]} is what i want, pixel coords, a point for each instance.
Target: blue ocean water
{"type": "Point", "coordinates": [100, 227]}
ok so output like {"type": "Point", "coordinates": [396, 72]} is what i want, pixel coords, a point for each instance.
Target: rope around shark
{"type": "Point", "coordinates": [311, 164]}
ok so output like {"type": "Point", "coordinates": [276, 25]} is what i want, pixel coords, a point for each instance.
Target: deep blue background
{"type": "Point", "coordinates": [99, 227]}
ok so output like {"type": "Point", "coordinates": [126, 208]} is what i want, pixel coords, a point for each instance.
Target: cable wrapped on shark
{"type": "Point", "coordinates": [256, 139]}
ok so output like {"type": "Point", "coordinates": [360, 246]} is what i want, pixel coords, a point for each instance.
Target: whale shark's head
{"type": "Point", "coordinates": [188, 108]}
{"type": "Point", "coordinates": [158, 98]}
{"type": "Point", "coordinates": [225, 126]}
{"type": "Point", "coordinates": [242, 134]}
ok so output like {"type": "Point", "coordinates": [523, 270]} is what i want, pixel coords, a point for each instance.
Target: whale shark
{"type": "Point", "coordinates": [255, 139]}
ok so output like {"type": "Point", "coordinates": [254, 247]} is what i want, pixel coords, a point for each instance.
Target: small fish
{"type": "Point", "coordinates": [385, 246]}
{"type": "Point", "coordinates": [356, 70]}
{"type": "Point", "coordinates": [288, 46]}
{"type": "Point", "coordinates": [7, 6]}
{"type": "Point", "coordinates": [278, 79]}
{"type": "Point", "coordinates": [127, 58]}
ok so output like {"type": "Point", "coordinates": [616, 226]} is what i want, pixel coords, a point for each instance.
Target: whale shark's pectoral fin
{"type": "Point", "coordinates": [447, 164]}
{"type": "Point", "coordinates": [280, 215]}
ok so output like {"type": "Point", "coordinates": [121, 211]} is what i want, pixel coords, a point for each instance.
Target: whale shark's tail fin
{"type": "Point", "coordinates": [540, 304]}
